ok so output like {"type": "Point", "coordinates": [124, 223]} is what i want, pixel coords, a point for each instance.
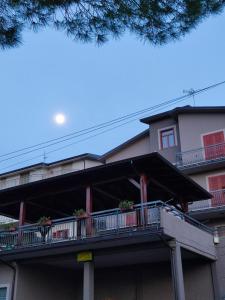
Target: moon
{"type": "Point", "coordinates": [60, 119]}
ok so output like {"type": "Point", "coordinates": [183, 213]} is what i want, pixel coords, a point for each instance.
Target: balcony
{"type": "Point", "coordinates": [152, 218]}
{"type": "Point", "coordinates": [201, 156]}
{"type": "Point", "coordinates": [218, 201]}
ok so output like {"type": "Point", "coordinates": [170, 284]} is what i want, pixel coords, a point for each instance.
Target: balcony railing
{"type": "Point", "coordinates": [217, 201]}
{"type": "Point", "coordinates": [212, 153]}
{"type": "Point", "coordinates": [110, 222]}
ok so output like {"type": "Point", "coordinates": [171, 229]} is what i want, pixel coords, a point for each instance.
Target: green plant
{"type": "Point", "coordinates": [79, 212]}
{"type": "Point", "coordinates": [44, 221]}
{"type": "Point", "coordinates": [126, 204]}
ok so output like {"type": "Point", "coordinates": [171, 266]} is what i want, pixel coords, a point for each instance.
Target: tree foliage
{"type": "Point", "coordinates": [97, 20]}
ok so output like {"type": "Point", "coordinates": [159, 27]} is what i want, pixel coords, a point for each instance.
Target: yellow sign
{"type": "Point", "coordinates": [84, 256]}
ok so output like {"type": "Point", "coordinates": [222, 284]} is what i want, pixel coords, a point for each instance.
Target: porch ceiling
{"type": "Point", "coordinates": [61, 194]}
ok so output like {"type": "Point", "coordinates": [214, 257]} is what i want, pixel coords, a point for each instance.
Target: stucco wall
{"type": "Point", "coordinates": [38, 282]}
{"type": "Point", "coordinates": [220, 266]}
{"type": "Point", "coordinates": [191, 126]}
{"type": "Point", "coordinates": [6, 277]}
{"type": "Point", "coordinates": [169, 153]}
{"type": "Point", "coordinates": [201, 178]}
{"type": "Point", "coordinates": [142, 282]}
{"type": "Point", "coordinates": [139, 147]}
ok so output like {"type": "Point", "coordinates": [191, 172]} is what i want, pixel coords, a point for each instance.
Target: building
{"type": "Point", "coordinates": [170, 245]}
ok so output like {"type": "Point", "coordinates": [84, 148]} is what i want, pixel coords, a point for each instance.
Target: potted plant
{"type": "Point", "coordinates": [126, 205]}
{"type": "Point", "coordinates": [45, 221]}
{"type": "Point", "coordinates": [80, 213]}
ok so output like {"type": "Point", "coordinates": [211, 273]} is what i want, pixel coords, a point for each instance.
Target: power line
{"type": "Point", "coordinates": [100, 126]}
{"type": "Point", "coordinates": [105, 124]}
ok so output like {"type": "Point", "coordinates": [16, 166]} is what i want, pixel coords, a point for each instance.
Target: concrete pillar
{"type": "Point", "coordinates": [216, 287]}
{"type": "Point", "coordinates": [88, 281]}
{"type": "Point", "coordinates": [177, 272]}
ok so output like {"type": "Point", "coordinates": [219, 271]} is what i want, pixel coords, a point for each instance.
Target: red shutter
{"type": "Point", "coordinates": [216, 139]}
{"type": "Point", "coordinates": [217, 184]}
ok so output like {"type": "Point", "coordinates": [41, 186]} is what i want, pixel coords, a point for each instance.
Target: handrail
{"type": "Point", "coordinates": [201, 155]}
{"type": "Point", "coordinates": [99, 223]}
{"type": "Point", "coordinates": [200, 148]}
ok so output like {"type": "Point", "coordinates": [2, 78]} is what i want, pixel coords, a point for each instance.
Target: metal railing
{"type": "Point", "coordinates": [108, 222]}
{"type": "Point", "coordinates": [203, 155]}
{"type": "Point", "coordinates": [218, 200]}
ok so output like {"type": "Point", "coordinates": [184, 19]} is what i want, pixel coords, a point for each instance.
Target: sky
{"type": "Point", "coordinates": [50, 73]}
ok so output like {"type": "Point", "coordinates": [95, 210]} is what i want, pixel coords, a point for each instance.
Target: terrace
{"type": "Point", "coordinates": [114, 236]}
{"type": "Point", "coordinates": [201, 156]}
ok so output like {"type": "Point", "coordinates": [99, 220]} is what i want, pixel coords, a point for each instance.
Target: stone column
{"type": "Point", "coordinates": [177, 272]}
{"type": "Point", "coordinates": [88, 281]}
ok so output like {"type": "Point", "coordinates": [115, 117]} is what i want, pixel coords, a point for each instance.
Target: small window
{"type": "Point", "coordinates": [3, 293]}
{"type": "Point", "coordinates": [167, 138]}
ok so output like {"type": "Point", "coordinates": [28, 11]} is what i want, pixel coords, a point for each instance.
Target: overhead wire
{"type": "Point", "coordinates": [98, 127]}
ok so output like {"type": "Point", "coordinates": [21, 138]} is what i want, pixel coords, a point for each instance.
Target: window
{"type": "Point", "coordinates": [3, 293]}
{"type": "Point", "coordinates": [167, 138]}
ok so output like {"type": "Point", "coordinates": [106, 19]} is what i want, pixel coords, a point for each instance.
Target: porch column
{"type": "Point", "coordinates": [144, 196]}
{"type": "Point", "coordinates": [216, 286]}
{"type": "Point", "coordinates": [89, 209]}
{"type": "Point", "coordinates": [177, 272]}
{"type": "Point", "coordinates": [88, 281]}
{"type": "Point", "coordinates": [22, 214]}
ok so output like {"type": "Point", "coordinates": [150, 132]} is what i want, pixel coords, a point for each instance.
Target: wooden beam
{"type": "Point", "coordinates": [144, 186]}
{"type": "Point", "coordinates": [22, 214]}
{"type": "Point", "coordinates": [107, 194]}
{"type": "Point", "coordinates": [89, 200]}
{"type": "Point", "coordinates": [135, 183]}
{"type": "Point", "coordinates": [50, 209]}
{"type": "Point", "coordinates": [163, 187]}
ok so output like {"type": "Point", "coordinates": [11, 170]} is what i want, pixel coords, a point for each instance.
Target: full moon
{"type": "Point", "coordinates": [60, 119]}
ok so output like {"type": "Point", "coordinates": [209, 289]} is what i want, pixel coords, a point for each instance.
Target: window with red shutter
{"type": "Point", "coordinates": [217, 188]}
{"type": "Point", "coordinates": [214, 145]}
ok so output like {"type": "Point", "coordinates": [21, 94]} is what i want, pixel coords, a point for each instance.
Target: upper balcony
{"type": "Point", "coordinates": [98, 191]}
{"type": "Point", "coordinates": [154, 220]}
{"type": "Point", "coordinates": [201, 157]}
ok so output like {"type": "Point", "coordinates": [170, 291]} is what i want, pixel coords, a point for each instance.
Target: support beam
{"type": "Point", "coordinates": [177, 271]}
{"type": "Point", "coordinates": [89, 209]}
{"type": "Point", "coordinates": [22, 214]}
{"type": "Point", "coordinates": [107, 194]}
{"type": "Point", "coordinates": [135, 183]}
{"type": "Point", "coordinates": [144, 188]}
{"type": "Point", "coordinates": [89, 200]}
{"type": "Point", "coordinates": [88, 281]}
{"type": "Point", "coordinates": [144, 197]}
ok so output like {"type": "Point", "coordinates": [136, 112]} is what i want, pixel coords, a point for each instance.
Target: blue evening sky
{"type": "Point", "coordinates": [50, 73]}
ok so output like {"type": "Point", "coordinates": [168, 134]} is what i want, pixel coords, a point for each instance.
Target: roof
{"type": "Point", "coordinates": [129, 142]}
{"type": "Point", "coordinates": [65, 160]}
{"type": "Point", "coordinates": [112, 178]}
{"type": "Point", "coordinates": [184, 110]}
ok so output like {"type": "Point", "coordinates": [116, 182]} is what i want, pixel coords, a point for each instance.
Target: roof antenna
{"type": "Point", "coordinates": [190, 92]}
{"type": "Point", "coordinates": [44, 157]}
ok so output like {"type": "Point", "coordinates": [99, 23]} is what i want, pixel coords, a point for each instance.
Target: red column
{"type": "Point", "coordinates": [22, 213]}
{"type": "Point", "coordinates": [22, 216]}
{"type": "Point", "coordinates": [184, 205]}
{"type": "Point", "coordinates": [89, 208]}
{"type": "Point", "coordinates": [144, 197]}
{"type": "Point", "coordinates": [144, 186]}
